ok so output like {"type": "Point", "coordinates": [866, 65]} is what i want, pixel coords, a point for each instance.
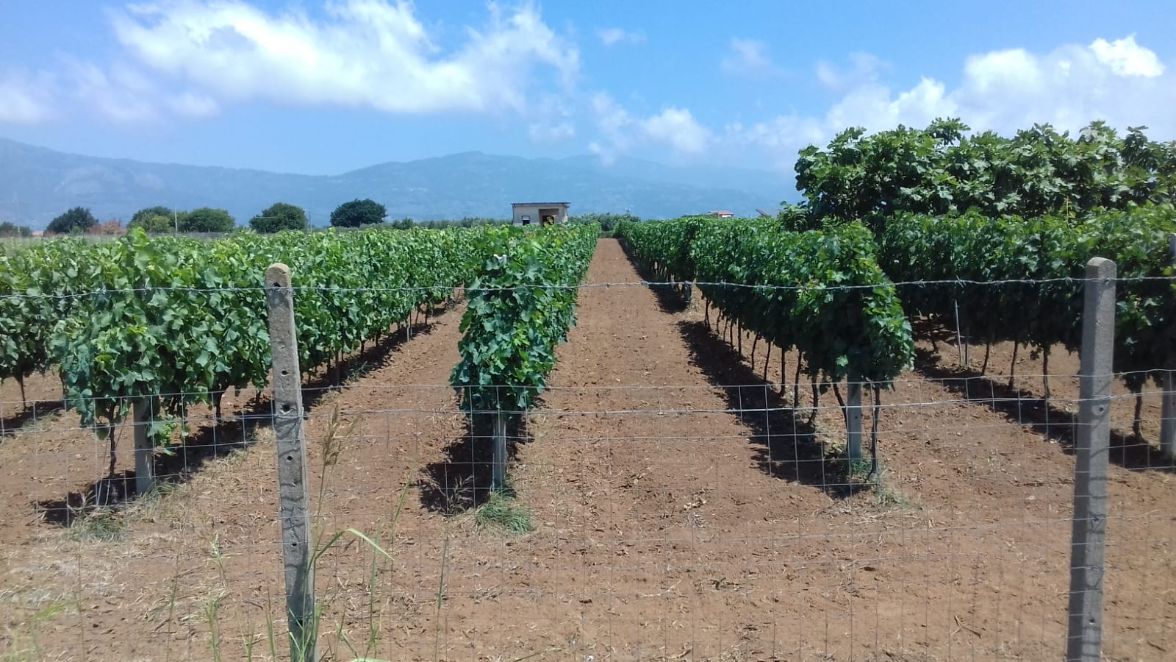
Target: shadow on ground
{"type": "Point", "coordinates": [1029, 409]}
{"type": "Point", "coordinates": [787, 444]}
{"type": "Point", "coordinates": [30, 413]}
{"type": "Point", "coordinates": [462, 479]}
{"type": "Point", "coordinates": [671, 299]}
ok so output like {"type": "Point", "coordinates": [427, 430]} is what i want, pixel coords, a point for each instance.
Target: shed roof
{"type": "Point", "coordinates": [539, 204]}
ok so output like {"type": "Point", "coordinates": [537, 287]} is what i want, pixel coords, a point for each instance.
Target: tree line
{"type": "Point", "coordinates": [277, 217]}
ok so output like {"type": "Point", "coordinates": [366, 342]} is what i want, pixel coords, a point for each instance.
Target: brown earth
{"type": "Point", "coordinates": [674, 518]}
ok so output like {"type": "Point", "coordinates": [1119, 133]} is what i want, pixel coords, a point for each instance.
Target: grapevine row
{"type": "Point", "coordinates": [40, 285]}
{"type": "Point", "coordinates": [520, 307]}
{"type": "Point", "coordinates": [1038, 264]}
{"type": "Point", "coordinates": [823, 292]}
{"type": "Point", "coordinates": [181, 321]}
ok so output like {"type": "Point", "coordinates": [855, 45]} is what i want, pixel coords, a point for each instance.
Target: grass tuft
{"type": "Point", "coordinates": [888, 497]}
{"type": "Point", "coordinates": [102, 525]}
{"type": "Point", "coordinates": [860, 469]}
{"type": "Point", "coordinates": [501, 510]}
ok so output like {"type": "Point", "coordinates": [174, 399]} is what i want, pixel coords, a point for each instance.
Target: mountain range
{"type": "Point", "coordinates": [37, 184]}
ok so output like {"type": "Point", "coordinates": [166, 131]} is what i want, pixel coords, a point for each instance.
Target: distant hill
{"type": "Point", "coordinates": [37, 184]}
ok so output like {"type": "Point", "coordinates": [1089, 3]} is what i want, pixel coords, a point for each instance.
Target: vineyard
{"type": "Point", "coordinates": [1038, 263]}
{"type": "Point", "coordinates": [821, 293]}
{"type": "Point", "coordinates": [707, 438]}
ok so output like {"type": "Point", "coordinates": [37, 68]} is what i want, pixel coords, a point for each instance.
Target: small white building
{"type": "Point", "coordinates": [539, 213]}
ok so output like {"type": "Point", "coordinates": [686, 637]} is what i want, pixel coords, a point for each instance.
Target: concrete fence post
{"type": "Point", "coordinates": [1084, 633]}
{"type": "Point", "coordinates": [498, 479]}
{"type": "Point", "coordinates": [853, 418]}
{"type": "Point", "coordinates": [1168, 406]}
{"type": "Point", "coordinates": [293, 494]}
{"type": "Point", "coordinates": [144, 447]}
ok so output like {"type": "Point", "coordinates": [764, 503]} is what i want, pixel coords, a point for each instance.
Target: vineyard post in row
{"type": "Point", "coordinates": [498, 477]}
{"type": "Point", "coordinates": [1168, 408]}
{"type": "Point", "coordinates": [293, 496]}
{"type": "Point", "coordinates": [1087, 543]}
{"type": "Point", "coordinates": [144, 446]}
{"type": "Point", "coordinates": [853, 418]}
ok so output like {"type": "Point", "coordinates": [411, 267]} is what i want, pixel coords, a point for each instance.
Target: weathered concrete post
{"type": "Point", "coordinates": [144, 448]}
{"type": "Point", "coordinates": [1084, 635]}
{"type": "Point", "coordinates": [294, 500]}
{"type": "Point", "coordinates": [853, 418]}
{"type": "Point", "coordinates": [498, 480]}
{"type": "Point", "coordinates": [1168, 406]}
{"type": "Point", "coordinates": [961, 348]}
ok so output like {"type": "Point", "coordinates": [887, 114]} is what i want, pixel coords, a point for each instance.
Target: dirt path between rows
{"type": "Point", "coordinates": [676, 517]}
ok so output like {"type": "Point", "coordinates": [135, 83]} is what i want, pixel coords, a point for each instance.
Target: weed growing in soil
{"type": "Point", "coordinates": [331, 450]}
{"type": "Point", "coordinates": [503, 511]}
{"type": "Point", "coordinates": [102, 525]}
{"type": "Point", "coordinates": [860, 470]}
{"type": "Point", "coordinates": [212, 616]}
{"type": "Point", "coordinates": [885, 495]}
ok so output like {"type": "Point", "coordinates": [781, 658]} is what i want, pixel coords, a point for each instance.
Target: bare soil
{"type": "Point", "coordinates": [683, 509]}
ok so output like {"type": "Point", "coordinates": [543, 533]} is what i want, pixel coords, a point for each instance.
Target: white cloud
{"type": "Point", "coordinates": [1127, 58]}
{"type": "Point", "coordinates": [677, 128]}
{"type": "Point", "coordinates": [776, 139]}
{"type": "Point", "coordinates": [674, 128]}
{"type": "Point", "coordinates": [614, 124]}
{"type": "Point", "coordinates": [875, 107]}
{"type": "Point", "coordinates": [614, 36]}
{"type": "Point", "coordinates": [1119, 81]}
{"type": "Point", "coordinates": [748, 57]}
{"type": "Point", "coordinates": [550, 118]}
{"type": "Point", "coordinates": [119, 93]}
{"type": "Point", "coordinates": [368, 53]}
{"type": "Point", "coordinates": [25, 98]}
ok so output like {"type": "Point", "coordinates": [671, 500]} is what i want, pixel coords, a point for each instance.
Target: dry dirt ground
{"type": "Point", "coordinates": [682, 510]}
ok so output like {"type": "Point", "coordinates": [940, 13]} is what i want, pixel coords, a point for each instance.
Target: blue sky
{"type": "Point", "coordinates": [312, 87]}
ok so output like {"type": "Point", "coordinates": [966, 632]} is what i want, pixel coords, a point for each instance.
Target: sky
{"type": "Point", "coordinates": [323, 88]}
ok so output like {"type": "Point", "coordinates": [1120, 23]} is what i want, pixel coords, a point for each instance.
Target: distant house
{"type": "Point", "coordinates": [722, 213]}
{"type": "Point", "coordinates": [539, 213]}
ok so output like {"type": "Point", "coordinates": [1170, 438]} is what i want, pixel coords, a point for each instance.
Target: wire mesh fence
{"type": "Point", "coordinates": [676, 495]}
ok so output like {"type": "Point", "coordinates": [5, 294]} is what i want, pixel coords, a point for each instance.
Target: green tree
{"type": "Point", "coordinates": [278, 217]}
{"type": "Point", "coordinates": [10, 229]}
{"type": "Point", "coordinates": [358, 213]}
{"type": "Point", "coordinates": [207, 219]}
{"type": "Point", "coordinates": [76, 220]}
{"type": "Point", "coordinates": [942, 169]}
{"type": "Point", "coordinates": [154, 220]}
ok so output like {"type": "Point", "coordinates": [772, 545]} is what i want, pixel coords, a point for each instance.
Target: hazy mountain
{"type": "Point", "coordinates": [37, 184]}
